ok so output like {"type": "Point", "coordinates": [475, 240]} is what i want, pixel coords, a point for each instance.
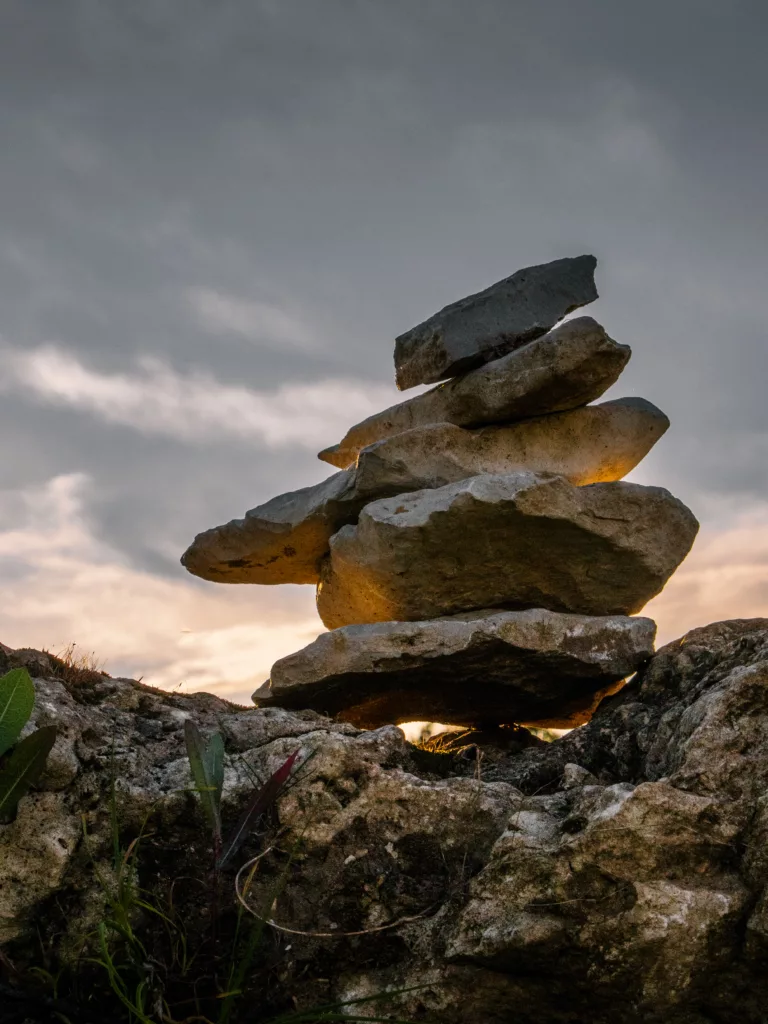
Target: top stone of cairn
{"type": "Point", "coordinates": [489, 324]}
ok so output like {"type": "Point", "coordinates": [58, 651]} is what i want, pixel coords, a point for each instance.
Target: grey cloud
{"type": "Point", "coordinates": [356, 167]}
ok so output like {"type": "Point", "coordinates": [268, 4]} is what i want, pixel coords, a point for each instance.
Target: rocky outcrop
{"type": "Point", "coordinates": [284, 540]}
{"type": "Point", "coordinates": [572, 365]}
{"type": "Point", "coordinates": [535, 668]}
{"type": "Point", "coordinates": [614, 876]}
{"type": "Point", "coordinates": [518, 540]}
{"type": "Point", "coordinates": [491, 323]}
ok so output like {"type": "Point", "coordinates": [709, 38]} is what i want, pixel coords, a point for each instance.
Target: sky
{"type": "Point", "coordinates": [215, 219]}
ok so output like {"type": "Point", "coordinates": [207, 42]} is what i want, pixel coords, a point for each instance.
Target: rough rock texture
{"type": "Point", "coordinates": [534, 668]}
{"type": "Point", "coordinates": [571, 366]}
{"type": "Point", "coordinates": [518, 540]}
{"type": "Point", "coordinates": [592, 444]}
{"type": "Point", "coordinates": [615, 876]}
{"type": "Point", "coordinates": [283, 540]}
{"type": "Point", "coordinates": [489, 324]}
{"type": "Point", "coordinates": [280, 541]}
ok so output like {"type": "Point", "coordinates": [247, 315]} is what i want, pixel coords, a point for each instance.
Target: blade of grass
{"type": "Point", "coordinates": [214, 763]}
{"type": "Point", "coordinates": [116, 982]}
{"type": "Point", "coordinates": [330, 1011]}
{"type": "Point", "coordinates": [199, 763]}
{"type": "Point", "coordinates": [241, 968]}
{"type": "Point", "coordinates": [261, 800]}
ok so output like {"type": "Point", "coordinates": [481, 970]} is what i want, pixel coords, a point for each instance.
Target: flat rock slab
{"type": "Point", "coordinates": [569, 367]}
{"type": "Point", "coordinates": [515, 541]}
{"type": "Point", "coordinates": [279, 541]}
{"type": "Point", "coordinates": [284, 540]}
{"type": "Point", "coordinates": [536, 667]}
{"type": "Point", "coordinates": [593, 444]}
{"type": "Point", "coordinates": [489, 324]}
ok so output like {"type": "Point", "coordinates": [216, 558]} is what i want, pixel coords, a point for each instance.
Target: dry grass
{"type": "Point", "coordinates": [548, 735]}
{"type": "Point", "coordinates": [75, 666]}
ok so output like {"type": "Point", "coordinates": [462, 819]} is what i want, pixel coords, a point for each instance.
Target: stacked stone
{"type": "Point", "coordinates": [478, 558]}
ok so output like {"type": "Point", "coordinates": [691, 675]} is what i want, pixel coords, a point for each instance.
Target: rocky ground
{"type": "Point", "coordinates": [615, 875]}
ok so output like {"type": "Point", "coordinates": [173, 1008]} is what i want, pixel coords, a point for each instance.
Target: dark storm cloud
{"type": "Point", "coordinates": [269, 192]}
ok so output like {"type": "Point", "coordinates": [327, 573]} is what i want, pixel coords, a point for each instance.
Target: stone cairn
{"type": "Point", "coordinates": [478, 559]}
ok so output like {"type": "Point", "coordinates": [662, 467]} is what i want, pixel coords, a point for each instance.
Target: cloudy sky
{"type": "Point", "coordinates": [215, 218]}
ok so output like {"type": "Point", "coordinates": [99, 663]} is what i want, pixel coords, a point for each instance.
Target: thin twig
{"type": "Point", "coordinates": [252, 865]}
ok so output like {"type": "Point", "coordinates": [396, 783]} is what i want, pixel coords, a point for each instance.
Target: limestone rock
{"type": "Point", "coordinates": [571, 366]}
{"type": "Point", "coordinates": [518, 540]}
{"type": "Point", "coordinates": [593, 444]}
{"type": "Point", "coordinates": [631, 892]}
{"type": "Point", "coordinates": [492, 322]}
{"type": "Point", "coordinates": [697, 714]}
{"type": "Point", "coordinates": [533, 667]}
{"type": "Point", "coordinates": [279, 541]}
{"type": "Point", "coordinates": [283, 540]}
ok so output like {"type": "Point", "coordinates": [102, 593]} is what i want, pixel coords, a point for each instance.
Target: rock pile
{"type": "Point", "coordinates": [478, 556]}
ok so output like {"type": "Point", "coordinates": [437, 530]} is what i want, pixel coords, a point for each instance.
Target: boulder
{"type": "Point", "coordinates": [517, 540]}
{"type": "Point", "coordinates": [492, 322]}
{"type": "Point", "coordinates": [283, 540]}
{"type": "Point", "coordinates": [533, 668]}
{"type": "Point", "coordinates": [571, 366]}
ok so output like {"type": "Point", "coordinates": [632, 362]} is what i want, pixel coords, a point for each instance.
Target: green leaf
{"type": "Point", "coordinates": [23, 767]}
{"type": "Point", "coordinates": [17, 698]}
{"type": "Point", "coordinates": [214, 764]}
{"type": "Point", "coordinates": [203, 761]}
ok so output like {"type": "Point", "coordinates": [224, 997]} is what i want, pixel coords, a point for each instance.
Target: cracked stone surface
{"type": "Point", "coordinates": [535, 668]}
{"type": "Point", "coordinates": [517, 540]}
{"type": "Point", "coordinates": [484, 326]}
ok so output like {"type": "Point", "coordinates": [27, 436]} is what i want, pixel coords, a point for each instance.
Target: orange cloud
{"type": "Point", "coordinates": [64, 585]}
{"type": "Point", "coordinates": [724, 577]}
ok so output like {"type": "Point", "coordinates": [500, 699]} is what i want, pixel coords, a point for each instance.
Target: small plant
{"type": "Point", "coordinates": [212, 969]}
{"type": "Point", "coordinates": [26, 760]}
{"type": "Point", "coordinates": [206, 760]}
{"type": "Point", "coordinates": [154, 958]}
{"type": "Point", "coordinates": [76, 667]}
